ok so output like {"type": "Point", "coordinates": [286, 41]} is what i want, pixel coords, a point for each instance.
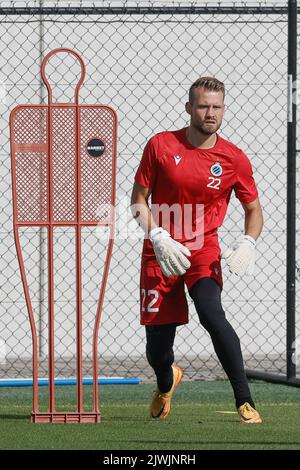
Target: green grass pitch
{"type": "Point", "coordinates": [202, 417]}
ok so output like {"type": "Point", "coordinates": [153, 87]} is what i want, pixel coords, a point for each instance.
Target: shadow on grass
{"type": "Point", "coordinates": [130, 419]}
{"type": "Point", "coordinates": [210, 442]}
{"type": "Point", "coordinates": [9, 416]}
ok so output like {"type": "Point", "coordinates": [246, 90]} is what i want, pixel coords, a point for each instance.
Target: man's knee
{"type": "Point", "coordinates": [212, 317]}
{"type": "Point", "coordinates": [206, 296]}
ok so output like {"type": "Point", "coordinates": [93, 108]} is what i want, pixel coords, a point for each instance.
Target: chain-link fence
{"type": "Point", "coordinates": [141, 58]}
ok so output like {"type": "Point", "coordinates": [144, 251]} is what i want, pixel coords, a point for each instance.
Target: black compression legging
{"type": "Point", "coordinates": [206, 294]}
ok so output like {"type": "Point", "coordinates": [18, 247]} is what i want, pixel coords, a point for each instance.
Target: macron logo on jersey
{"type": "Point", "coordinates": [177, 159]}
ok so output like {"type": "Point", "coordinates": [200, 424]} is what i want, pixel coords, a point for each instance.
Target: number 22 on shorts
{"type": "Point", "coordinates": [146, 294]}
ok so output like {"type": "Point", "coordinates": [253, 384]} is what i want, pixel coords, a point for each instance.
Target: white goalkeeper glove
{"type": "Point", "coordinates": [241, 259]}
{"type": "Point", "coordinates": [170, 254]}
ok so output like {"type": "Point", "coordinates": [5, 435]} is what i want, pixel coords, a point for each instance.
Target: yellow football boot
{"type": "Point", "coordinates": [249, 415]}
{"type": "Point", "coordinates": [161, 402]}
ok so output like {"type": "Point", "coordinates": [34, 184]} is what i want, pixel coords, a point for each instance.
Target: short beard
{"type": "Point", "coordinates": [205, 131]}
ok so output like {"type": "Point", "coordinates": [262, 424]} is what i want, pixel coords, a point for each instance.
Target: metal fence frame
{"type": "Point", "coordinates": [292, 10]}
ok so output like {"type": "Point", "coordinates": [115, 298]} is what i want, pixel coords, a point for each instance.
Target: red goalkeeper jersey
{"type": "Point", "coordinates": [196, 183]}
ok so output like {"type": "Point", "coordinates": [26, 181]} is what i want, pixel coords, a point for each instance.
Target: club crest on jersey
{"type": "Point", "coordinates": [216, 169]}
{"type": "Point", "coordinates": [177, 159]}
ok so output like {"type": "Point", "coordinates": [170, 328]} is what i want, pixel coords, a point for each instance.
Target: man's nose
{"type": "Point", "coordinates": [210, 112]}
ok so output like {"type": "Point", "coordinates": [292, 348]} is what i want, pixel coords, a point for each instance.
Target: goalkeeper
{"type": "Point", "coordinates": [187, 169]}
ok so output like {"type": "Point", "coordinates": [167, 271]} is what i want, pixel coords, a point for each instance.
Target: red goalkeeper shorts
{"type": "Point", "coordinates": [163, 299]}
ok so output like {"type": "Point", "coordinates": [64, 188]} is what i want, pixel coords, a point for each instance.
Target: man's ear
{"type": "Point", "coordinates": [188, 108]}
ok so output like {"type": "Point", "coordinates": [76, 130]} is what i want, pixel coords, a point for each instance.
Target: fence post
{"type": "Point", "coordinates": [291, 190]}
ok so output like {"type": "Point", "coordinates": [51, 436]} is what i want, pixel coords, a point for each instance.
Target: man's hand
{"type": "Point", "coordinates": [170, 254]}
{"type": "Point", "coordinates": [241, 259]}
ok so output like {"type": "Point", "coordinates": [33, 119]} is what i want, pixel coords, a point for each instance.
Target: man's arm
{"type": "Point", "coordinates": [241, 258]}
{"type": "Point", "coordinates": [170, 254]}
{"type": "Point", "coordinates": [140, 208]}
{"type": "Point", "coordinates": [253, 218]}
